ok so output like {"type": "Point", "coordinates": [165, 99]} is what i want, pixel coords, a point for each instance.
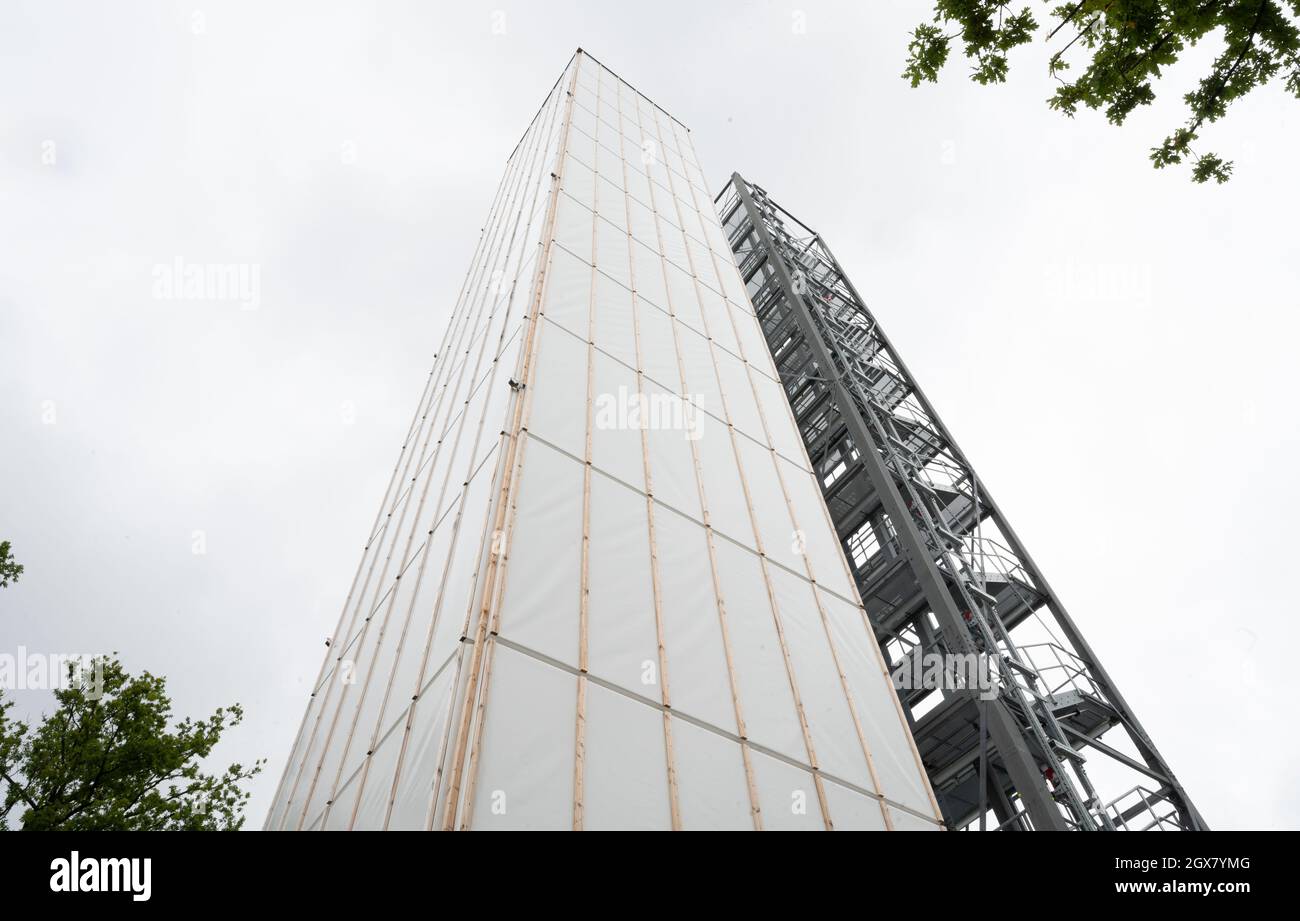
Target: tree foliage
{"type": "Point", "coordinates": [10, 569]}
{"type": "Point", "coordinates": [1125, 46]}
{"type": "Point", "coordinates": [106, 759]}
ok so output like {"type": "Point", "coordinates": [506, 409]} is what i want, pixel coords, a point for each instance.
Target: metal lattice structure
{"type": "Point", "coordinates": [939, 568]}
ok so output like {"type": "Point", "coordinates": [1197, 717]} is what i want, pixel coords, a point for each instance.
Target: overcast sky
{"type": "Point", "coordinates": [1113, 346]}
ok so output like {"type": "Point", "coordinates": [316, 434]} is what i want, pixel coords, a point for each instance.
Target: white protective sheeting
{"type": "Point", "coordinates": [372, 808]}
{"type": "Point", "coordinates": [610, 598]}
{"type": "Point", "coordinates": [877, 707]}
{"type": "Point", "coordinates": [615, 444]}
{"type": "Point", "coordinates": [787, 795]}
{"type": "Point", "coordinates": [418, 766]}
{"type": "Point", "coordinates": [544, 564]}
{"type": "Point", "coordinates": [625, 777]}
{"type": "Point", "coordinates": [711, 787]}
{"type": "Point", "coordinates": [622, 642]}
{"type": "Point", "coordinates": [766, 697]}
{"type": "Point", "coordinates": [825, 704]}
{"type": "Point", "coordinates": [525, 778]}
{"type": "Point", "coordinates": [697, 660]}
{"type": "Point", "coordinates": [905, 821]}
{"type": "Point", "coordinates": [853, 811]}
{"type": "Point", "coordinates": [559, 390]}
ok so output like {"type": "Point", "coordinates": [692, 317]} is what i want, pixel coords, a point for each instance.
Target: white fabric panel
{"type": "Point", "coordinates": [615, 330]}
{"type": "Point", "coordinates": [610, 200]}
{"type": "Point", "coordinates": [497, 413]}
{"type": "Point", "coordinates": [718, 320]}
{"type": "Point", "coordinates": [638, 186]}
{"type": "Point", "coordinates": [628, 126]}
{"type": "Point", "coordinates": [765, 696]}
{"type": "Point", "coordinates": [641, 222]}
{"type": "Point", "coordinates": [665, 205]}
{"type": "Point", "coordinates": [658, 173]}
{"type": "Point", "coordinates": [605, 135]}
{"type": "Point", "coordinates": [851, 811]}
{"type": "Point", "coordinates": [824, 705]}
{"type": "Point", "coordinates": [607, 111]}
{"type": "Point", "coordinates": [693, 226]}
{"type": "Point", "coordinates": [373, 675]}
{"type": "Point", "coordinates": [447, 480]}
{"type": "Point", "coordinates": [584, 94]}
{"type": "Point", "coordinates": [672, 465]}
{"type": "Point", "coordinates": [681, 291]}
{"type": "Point", "coordinates": [751, 339]}
{"type": "Point", "coordinates": [673, 157]}
{"type": "Point", "coordinates": [714, 234]}
{"type": "Point", "coordinates": [658, 350]}
{"type": "Point", "coordinates": [615, 431]}
{"type": "Point", "coordinates": [424, 749]}
{"type": "Point", "coordinates": [625, 774]}
{"type": "Point", "coordinates": [703, 261]}
{"type": "Point", "coordinates": [874, 698]}
{"type": "Point", "coordinates": [821, 544]}
{"type": "Point", "coordinates": [739, 395]}
{"type": "Point", "coordinates": [693, 198]}
{"type": "Point", "coordinates": [406, 669]}
{"type": "Point", "coordinates": [368, 603]}
{"type": "Point", "coordinates": [579, 180]}
{"type": "Point", "coordinates": [780, 423]}
{"type": "Point", "coordinates": [787, 795]}
{"type": "Point", "coordinates": [584, 120]}
{"type": "Point", "coordinates": [729, 276]}
{"type": "Point", "coordinates": [543, 568]}
{"type": "Point", "coordinates": [697, 663]}
{"type": "Point", "coordinates": [774, 526]}
{"type": "Point", "coordinates": [458, 589]}
{"type": "Point", "coordinates": [334, 729]}
{"type": "Point", "coordinates": [697, 361]}
{"type": "Point", "coordinates": [457, 665]}
{"type": "Point", "coordinates": [728, 512]}
{"type": "Point", "coordinates": [573, 227]}
{"type": "Point", "coordinates": [358, 670]}
{"type": "Point", "coordinates": [609, 164]}
{"type": "Point", "coordinates": [406, 677]}
{"type": "Point", "coordinates": [905, 821]}
{"type": "Point", "coordinates": [612, 252]}
{"type": "Point", "coordinates": [340, 812]}
{"type": "Point", "coordinates": [649, 275]}
{"type": "Point", "coordinates": [525, 771]}
{"type": "Point", "coordinates": [674, 244]}
{"type": "Point", "coordinates": [568, 294]}
{"type": "Point", "coordinates": [378, 784]}
{"type": "Point", "coordinates": [712, 793]}
{"type": "Point", "coordinates": [622, 641]}
{"type": "Point", "coordinates": [558, 407]}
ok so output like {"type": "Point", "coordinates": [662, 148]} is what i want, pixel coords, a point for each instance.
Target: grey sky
{"type": "Point", "coordinates": [1112, 345]}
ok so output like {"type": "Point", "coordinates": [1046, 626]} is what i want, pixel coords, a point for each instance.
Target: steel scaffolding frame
{"type": "Point", "coordinates": [939, 568]}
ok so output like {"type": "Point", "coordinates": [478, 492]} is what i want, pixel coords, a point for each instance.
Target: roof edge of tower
{"type": "Point", "coordinates": [633, 88]}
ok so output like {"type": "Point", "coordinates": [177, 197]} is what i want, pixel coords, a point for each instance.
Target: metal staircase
{"type": "Point", "coordinates": [939, 569]}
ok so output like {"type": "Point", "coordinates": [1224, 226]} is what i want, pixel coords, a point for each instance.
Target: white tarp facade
{"type": "Point", "coordinates": [611, 597]}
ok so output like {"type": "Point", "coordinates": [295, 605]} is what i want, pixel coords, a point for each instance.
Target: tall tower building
{"type": "Point", "coordinates": [943, 574]}
{"type": "Point", "coordinates": [603, 589]}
